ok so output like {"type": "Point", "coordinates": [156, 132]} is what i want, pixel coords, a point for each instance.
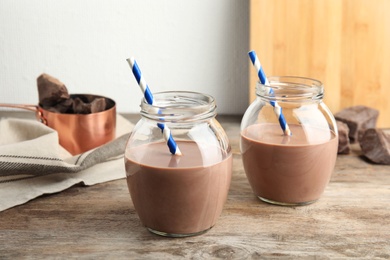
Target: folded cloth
{"type": "Point", "coordinates": [32, 162]}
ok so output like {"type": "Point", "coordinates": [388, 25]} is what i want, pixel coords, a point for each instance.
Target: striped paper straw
{"type": "Point", "coordinates": [173, 148]}
{"type": "Point", "coordinates": [264, 81]}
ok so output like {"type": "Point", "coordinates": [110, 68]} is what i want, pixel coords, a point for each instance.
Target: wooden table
{"type": "Point", "coordinates": [352, 219]}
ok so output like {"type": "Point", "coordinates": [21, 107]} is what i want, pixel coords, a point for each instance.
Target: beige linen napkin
{"type": "Point", "coordinates": [32, 163]}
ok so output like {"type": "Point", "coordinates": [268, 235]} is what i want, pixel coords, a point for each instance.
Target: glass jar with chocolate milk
{"type": "Point", "coordinates": [178, 195]}
{"type": "Point", "coordinates": [287, 169]}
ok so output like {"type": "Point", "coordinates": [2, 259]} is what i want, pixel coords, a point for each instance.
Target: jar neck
{"type": "Point", "coordinates": [291, 89]}
{"type": "Point", "coordinates": [179, 106]}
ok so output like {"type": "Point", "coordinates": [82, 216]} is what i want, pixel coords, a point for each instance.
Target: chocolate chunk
{"type": "Point", "coordinates": [51, 91]}
{"type": "Point", "coordinates": [65, 106]}
{"type": "Point", "coordinates": [358, 119]}
{"type": "Point", "coordinates": [375, 144]}
{"type": "Point", "coordinates": [81, 105]}
{"type": "Point", "coordinates": [343, 130]}
{"type": "Point", "coordinates": [98, 105]}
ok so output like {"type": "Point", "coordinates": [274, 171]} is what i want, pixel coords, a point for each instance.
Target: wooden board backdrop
{"type": "Point", "coordinates": [343, 43]}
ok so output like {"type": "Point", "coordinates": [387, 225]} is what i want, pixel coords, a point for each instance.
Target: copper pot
{"type": "Point", "coordinates": [78, 133]}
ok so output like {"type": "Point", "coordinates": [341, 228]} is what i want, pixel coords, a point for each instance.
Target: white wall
{"type": "Point", "coordinates": [197, 45]}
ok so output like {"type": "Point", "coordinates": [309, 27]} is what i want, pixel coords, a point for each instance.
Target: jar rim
{"type": "Point", "coordinates": [179, 106]}
{"type": "Point", "coordinates": [291, 89]}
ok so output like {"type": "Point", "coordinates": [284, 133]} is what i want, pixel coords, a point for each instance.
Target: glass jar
{"type": "Point", "coordinates": [289, 169]}
{"type": "Point", "coordinates": [178, 195]}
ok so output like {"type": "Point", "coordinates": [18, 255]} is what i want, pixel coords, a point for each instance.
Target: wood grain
{"type": "Point", "coordinates": [351, 220]}
{"type": "Point", "coordinates": [343, 43]}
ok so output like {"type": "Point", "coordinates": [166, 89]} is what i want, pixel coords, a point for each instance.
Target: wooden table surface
{"type": "Point", "coordinates": [352, 219]}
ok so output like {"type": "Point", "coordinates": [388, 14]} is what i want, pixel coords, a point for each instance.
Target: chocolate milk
{"type": "Point", "coordinates": [288, 169]}
{"type": "Point", "coordinates": [178, 194]}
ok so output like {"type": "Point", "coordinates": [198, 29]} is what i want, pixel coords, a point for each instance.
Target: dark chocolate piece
{"type": "Point", "coordinates": [51, 91]}
{"type": "Point", "coordinates": [375, 144]}
{"type": "Point", "coordinates": [98, 105]}
{"type": "Point", "coordinates": [63, 107]}
{"type": "Point", "coordinates": [358, 119]}
{"type": "Point", "coordinates": [343, 130]}
{"type": "Point", "coordinates": [81, 107]}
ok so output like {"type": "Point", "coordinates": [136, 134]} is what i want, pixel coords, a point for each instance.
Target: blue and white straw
{"type": "Point", "coordinates": [173, 148]}
{"type": "Point", "coordinates": [263, 79]}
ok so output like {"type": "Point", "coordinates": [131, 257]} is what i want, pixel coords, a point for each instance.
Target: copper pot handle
{"type": "Point", "coordinates": [33, 108]}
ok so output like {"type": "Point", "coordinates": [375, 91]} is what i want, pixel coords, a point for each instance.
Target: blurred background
{"type": "Point", "coordinates": [343, 43]}
{"type": "Point", "coordinates": [196, 45]}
